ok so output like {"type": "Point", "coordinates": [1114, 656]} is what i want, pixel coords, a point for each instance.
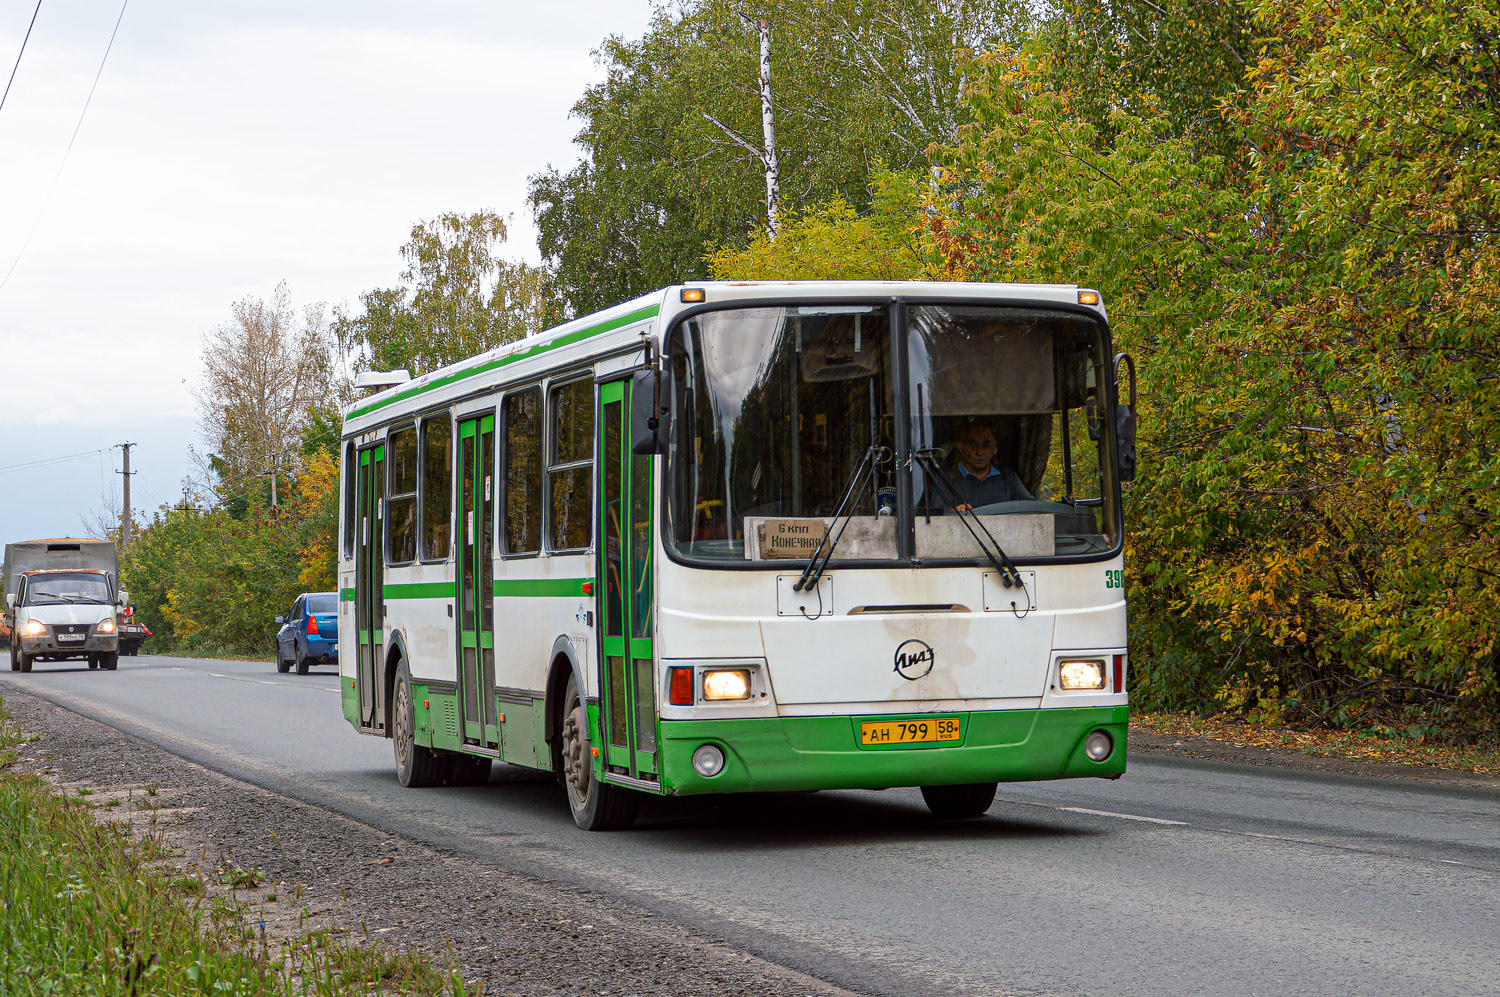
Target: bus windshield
{"type": "Point", "coordinates": [67, 589]}
{"type": "Point", "coordinates": [782, 412]}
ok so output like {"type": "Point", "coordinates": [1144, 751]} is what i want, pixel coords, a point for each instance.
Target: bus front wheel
{"type": "Point", "coordinates": [416, 766]}
{"type": "Point", "coordinates": [958, 802]}
{"type": "Point", "coordinates": [595, 806]}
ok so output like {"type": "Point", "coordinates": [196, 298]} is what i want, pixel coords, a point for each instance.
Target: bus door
{"type": "Point", "coordinates": [369, 585]}
{"type": "Point", "coordinates": [627, 699]}
{"type": "Point", "coordinates": [476, 581]}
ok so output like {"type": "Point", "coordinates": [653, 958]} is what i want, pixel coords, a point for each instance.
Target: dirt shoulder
{"type": "Point", "coordinates": [1147, 744]}
{"type": "Point", "coordinates": [325, 871]}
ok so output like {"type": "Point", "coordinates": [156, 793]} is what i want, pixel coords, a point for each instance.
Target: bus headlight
{"type": "Point", "coordinates": [733, 683]}
{"type": "Point", "coordinates": [708, 761]}
{"type": "Point", "coordinates": [1098, 746]}
{"type": "Point", "coordinates": [34, 628]}
{"type": "Point", "coordinates": [1074, 676]}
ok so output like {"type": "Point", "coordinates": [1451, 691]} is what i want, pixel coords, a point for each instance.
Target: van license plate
{"type": "Point", "coordinates": [936, 729]}
{"type": "Point", "coordinates": [71, 636]}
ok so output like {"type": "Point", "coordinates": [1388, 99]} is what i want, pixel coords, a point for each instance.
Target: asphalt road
{"type": "Point", "coordinates": [1179, 878]}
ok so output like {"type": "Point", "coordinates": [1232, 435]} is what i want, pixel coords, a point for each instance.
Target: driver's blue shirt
{"type": "Point", "coordinates": [1000, 485]}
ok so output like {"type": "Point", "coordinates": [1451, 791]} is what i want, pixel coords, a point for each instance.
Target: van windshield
{"type": "Point", "coordinates": [67, 589]}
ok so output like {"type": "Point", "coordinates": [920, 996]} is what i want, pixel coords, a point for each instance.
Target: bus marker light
{"type": "Point", "coordinates": [692, 295]}
{"type": "Point", "coordinates": [502, 718]}
{"type": "Point", "coordinates": [424, 702]}
{"type": "Point", "coordinates": [1119, 673]}
{"type": "Point", "coordinates": [728, 684]}
{"type": "Point", "coordinates": [680, 692]}
{"type": "Point", "coordinates": [588, 588]}
{"type": "Point", "coordinates": [1088, 297]}
{"type": "Point", "coordinates": [1076, 675]}
{"type": "Point", "coordinates": [708, 761]}
{"type": "Point", "coordinates": [595, 752]}
{"type": "Point", "coordinates": [1098, 746]}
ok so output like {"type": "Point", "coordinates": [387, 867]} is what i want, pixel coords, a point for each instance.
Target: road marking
{"type": "Point", "coordinates": [1106, 813]}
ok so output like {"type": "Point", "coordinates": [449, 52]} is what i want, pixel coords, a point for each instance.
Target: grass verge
{"type": "Point", "coordinates": [90, 910]}
{"type": "Point", "coordinates": [1386, 745]}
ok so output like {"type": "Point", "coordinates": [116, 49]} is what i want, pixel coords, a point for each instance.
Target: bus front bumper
{"type": "Point", "coordinates": [793, 754]}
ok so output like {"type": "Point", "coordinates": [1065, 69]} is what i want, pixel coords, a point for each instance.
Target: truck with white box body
{"type": "Point", "coordinates": [62, 599]}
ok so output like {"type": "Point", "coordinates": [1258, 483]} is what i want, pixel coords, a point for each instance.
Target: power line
{"type": "Point", "coordinates": [20, 53]}
{"type": "Point", "coordinates": [49, 461]}
{"type": "Point", "coordinates": [48, 199]}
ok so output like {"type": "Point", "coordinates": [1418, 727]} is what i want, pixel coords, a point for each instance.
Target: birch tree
{"type": "Point", "coordinates": [264, 371]}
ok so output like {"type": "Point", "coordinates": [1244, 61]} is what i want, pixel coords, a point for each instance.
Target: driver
{"type": "Point", "coordinates": [977, 479]}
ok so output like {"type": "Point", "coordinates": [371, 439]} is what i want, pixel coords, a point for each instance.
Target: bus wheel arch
{"type": "Point", "coordinates": [564, 666]}
{"type": "Point", "coordinates": [395, 654]}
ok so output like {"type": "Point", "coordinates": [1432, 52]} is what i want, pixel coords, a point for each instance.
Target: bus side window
{"type": "Point", "coordinates": [570, 465]}
{"type": "Point", "coordinates": [521, 457]}
{"type": "Point", "coordinates": [437, 487]}
{"type": "Point", "coordinates": [401, 505]}
{"type": "Point", "coordinates": [349, 500]}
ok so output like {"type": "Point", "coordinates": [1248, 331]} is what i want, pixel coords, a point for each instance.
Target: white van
{"type": "Point", "coordinates": [61, 601]}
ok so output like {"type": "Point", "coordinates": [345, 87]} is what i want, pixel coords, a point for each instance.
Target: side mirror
{"type": "Point", "coordinates": [281, 619]}
{"type": "Point", "coordinates": [650, 410]}
{"type": "Point", "coordinates": [1125, 422]}
{"type": "Point", "coordinates": [10, 600]}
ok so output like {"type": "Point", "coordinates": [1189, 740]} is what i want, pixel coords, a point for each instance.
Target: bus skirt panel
{"type": "Point", "coordinates": [796, 754]}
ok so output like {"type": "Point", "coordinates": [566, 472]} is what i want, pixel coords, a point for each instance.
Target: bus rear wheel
{"type": "Point", "coordinates": [416, 766]}
{"type": "Point", "coordinates": [958, 802]}
{"type": "Point", "coordinates": [595, 806]}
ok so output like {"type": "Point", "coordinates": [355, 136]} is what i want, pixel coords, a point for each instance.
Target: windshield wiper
{"type": "Point", "coordinates": [873, 456]}
{"type": "Point", "coordinates": [1009, 576]}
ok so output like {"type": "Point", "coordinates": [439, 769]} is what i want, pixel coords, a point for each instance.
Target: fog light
{"type": "Point", "coordinates": [1076, 675]}
{"type": "Point", "coordinates": [734, 684]}
{"type": "Point", "coordinates": [1098, 746]}
{"type": "Point", "coordinates": [708, 761]}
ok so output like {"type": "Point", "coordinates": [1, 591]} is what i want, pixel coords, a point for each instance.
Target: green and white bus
{"type": "Point", "coordinates": [715, 540]}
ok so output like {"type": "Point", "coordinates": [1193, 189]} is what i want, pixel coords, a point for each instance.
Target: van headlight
{"type": "Point", "coordinates": [34, 628]}
{"type": "Point", "coordinates": [1080, 675]}
{"type": "Point", "coordinates": [107, 627]}
{"type": "Point", "coordinates": [726, 683]}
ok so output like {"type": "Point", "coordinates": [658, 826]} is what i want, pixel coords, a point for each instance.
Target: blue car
{"type": "Point", "coordinates": [309, 634]}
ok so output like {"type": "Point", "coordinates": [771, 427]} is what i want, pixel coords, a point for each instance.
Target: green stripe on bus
{"type": "Point", "coordinates": [346, 595]}
{"type": "Point", "coordinates": [420, 590]}
{"type": "Point", "coordinates": [587, 332]}
{"type": "Point", "coordinates": [540, 586]}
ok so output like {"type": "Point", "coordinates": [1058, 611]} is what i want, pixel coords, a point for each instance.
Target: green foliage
{"type": "Point", "coordinates": [833, 242]}
{"type": "Point", "coordinates": [457, 299]}
{"type": "Point", "coordinates": [672, 138]}
{"type": "Point", "coordinates": [89, 912]}
{"type": "Point", "coordinates": [213, 581]}
{"type": "Point", "coordinates": [1309, 290]}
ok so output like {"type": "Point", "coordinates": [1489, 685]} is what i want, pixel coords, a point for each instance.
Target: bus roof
{"type": "Point", "coordinates": [641, 315]}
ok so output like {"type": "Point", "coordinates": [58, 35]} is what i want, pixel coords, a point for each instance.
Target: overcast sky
{"type": "Point", "coordinates": [230, 145]}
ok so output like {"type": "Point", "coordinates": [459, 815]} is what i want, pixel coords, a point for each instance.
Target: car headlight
{"type": "Point", "coordinates": [34, 628]}
{"type": "Point", "coordinates": [107, 627]}
{"type": "Point", "coordinates": [1074, 676]}
{"type": "Point", "coordinates": [730, 683]}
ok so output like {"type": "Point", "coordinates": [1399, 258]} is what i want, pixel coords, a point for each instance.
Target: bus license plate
{"type": "Point", "coordinates": [71, 636]}
{"type": "Point", "coordinates": [935, 729]}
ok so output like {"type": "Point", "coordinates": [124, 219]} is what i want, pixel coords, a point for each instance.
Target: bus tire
{"type": "Point", "coordinates": [109, 660]}
{"type": "Point", "coordinates": [595, 806]}
{"type": "Point", "coordinates": [468, 770]}
{"type": "Point", "coordinates": [416, 766]}
{"type": "Point", "coordinates": [959, 802]}
{"type": "Point", "coordinates": [25, 661]}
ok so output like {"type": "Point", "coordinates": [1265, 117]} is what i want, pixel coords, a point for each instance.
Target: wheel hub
{"type": "Point", "coordinates": [575, 751]}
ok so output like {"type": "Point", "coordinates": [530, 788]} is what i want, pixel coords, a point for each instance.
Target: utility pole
{"type": "Point", "coordinates": [125, 509]}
